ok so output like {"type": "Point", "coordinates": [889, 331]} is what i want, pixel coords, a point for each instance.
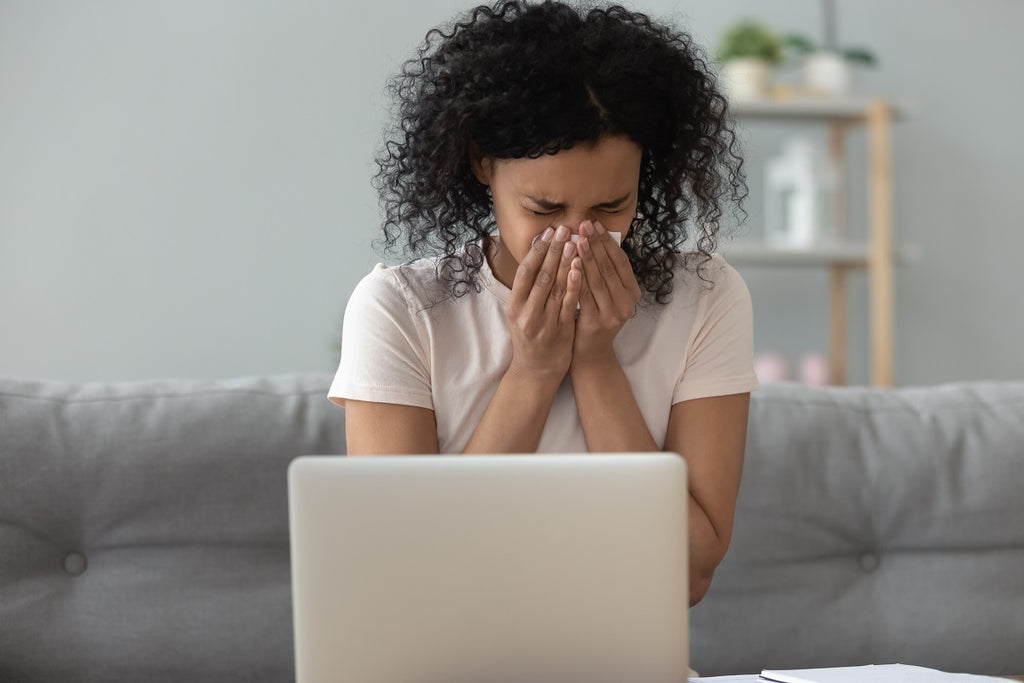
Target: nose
{"type": "Point", "coordinates": [573, 221]}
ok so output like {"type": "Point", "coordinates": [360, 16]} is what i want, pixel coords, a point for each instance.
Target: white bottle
{"type": "Point", "coordinates": [800, 188]}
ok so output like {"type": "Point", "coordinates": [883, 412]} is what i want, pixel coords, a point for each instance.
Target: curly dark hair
{"type": "Point", "coordinates": [519, 80]}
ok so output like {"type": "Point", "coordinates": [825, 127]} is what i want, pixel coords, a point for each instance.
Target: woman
{"type": "Point", "coordinates": [528, 136]}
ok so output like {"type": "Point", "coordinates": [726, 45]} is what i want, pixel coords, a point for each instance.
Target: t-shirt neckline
{"type": "Point", "coordinates": [491, 283]}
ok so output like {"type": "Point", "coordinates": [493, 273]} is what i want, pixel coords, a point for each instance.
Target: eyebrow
{"type": "Point", "coordinates": [548, 205]}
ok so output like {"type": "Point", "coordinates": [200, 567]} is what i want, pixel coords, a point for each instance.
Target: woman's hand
{"type": "Point", "coordinates": [608, 298]}
{"type": "Point", "coordinates": [542, 310]}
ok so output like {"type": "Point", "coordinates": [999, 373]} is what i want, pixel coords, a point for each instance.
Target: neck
{"type": "Point", "coordinates": [503, 266]}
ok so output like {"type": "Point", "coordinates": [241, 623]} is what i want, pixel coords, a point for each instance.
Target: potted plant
{"type": "Point", "coordinates": [748, 52]}
{"type": "Point", "coordinates": [827, 68]}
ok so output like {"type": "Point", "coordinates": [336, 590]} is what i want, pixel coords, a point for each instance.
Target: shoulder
{"type": "Point", "coordinates": [720, 349]}
{"type": "Point", "coordinates": [711, 282]}
{"type": "Point", "coordinates": [414, 285]}
{"type": "Point", "coordinates": [715, 270]}
{"type": "Point", "coordinates": [725, 279]}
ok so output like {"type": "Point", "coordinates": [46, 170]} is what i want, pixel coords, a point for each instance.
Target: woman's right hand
{"type": "Point", "coordinates": [542, 310]}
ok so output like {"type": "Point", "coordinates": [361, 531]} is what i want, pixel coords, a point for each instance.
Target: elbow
{"type": "Point", "coordinates": [700, 582]}
{"type": "Point", "coordinates": [708, 545]}
{"type": "Point", "coordinates": [702, 569]}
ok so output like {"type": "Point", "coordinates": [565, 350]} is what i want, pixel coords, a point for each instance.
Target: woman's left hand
{"type": "Point", "coordinates": [609, 296]}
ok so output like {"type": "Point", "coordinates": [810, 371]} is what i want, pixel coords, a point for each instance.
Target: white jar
{"type": "Point", "coordinates": [827, 73]}
{"type": "Point", "coordinates": [746, 78]}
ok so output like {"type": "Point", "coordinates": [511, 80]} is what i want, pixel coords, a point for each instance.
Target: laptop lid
{"type": "Point", "coordinates": [460, 569]}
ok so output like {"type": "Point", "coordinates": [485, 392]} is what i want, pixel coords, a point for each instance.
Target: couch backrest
{"type": "Point", "coordinates": [143, 530]}
{"type": "Point", "coordinates": [144, 527]}
{"type": "Point", "coordinates": [874, 526]}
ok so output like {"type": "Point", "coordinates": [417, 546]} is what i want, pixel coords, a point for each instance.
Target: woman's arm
{"type": "Point", "coordinates": [512, 423]}
{"type": "Point", "coordinates": [609, 414]}
{"type": "Point", "coordinates": [541, 321]}
{"type": "Point", "coordinates": [389, 429]}
{"type": "Point", "coordinates": [711, 434]}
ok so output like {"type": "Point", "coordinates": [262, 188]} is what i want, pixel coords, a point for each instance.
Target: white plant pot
{"type": "Point", "coordinates": [827, 73]}
{"type": "Point", "coordinates": [746, 78]}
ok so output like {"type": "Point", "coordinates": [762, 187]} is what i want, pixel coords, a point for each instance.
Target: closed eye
{"type": "Point", "coordinates": [545, 207]}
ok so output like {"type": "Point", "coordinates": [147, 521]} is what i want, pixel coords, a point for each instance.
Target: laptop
{"type": "Point", "coordinates": [490, 569]}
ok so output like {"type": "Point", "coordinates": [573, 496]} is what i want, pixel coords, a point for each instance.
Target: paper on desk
{"type": "Point", "coordinates": [875, 673]}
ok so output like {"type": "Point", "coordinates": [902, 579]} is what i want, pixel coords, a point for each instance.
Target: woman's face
{"type": "Point", "coordinates": [595, 182]}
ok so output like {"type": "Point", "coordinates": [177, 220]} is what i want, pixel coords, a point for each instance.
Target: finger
{"type": "Point", "coordinates": [619, 259]}
{"type": "Point", "coordinates": [591, 269]}
{"type": "Point", "coordinates": [547, 275]}
{"type": "Point", "coordinates": [559, 288]}
{"type": "Point", "coordinates": [603, 246]}
{"type": "Point", "coordinates": [585, 295]}
{"type": "Point", "coordinates": [621, 290]}
{"type": "Point", "coordinates": [588, 306]}
{"type": "Point", "coordinates": [574, 286]}
{"type": "Point", "coordinates": [528, 268]}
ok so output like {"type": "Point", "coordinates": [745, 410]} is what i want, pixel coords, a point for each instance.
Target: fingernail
{"type": "Point", "coordinates": [546, 235]}
{"type": "Point", "coordinates": [562, 233]}
{"type": "Point", "coordinates": [568, 250]}
{"type": "Point", "coordinates": [599, 228]}
{"type": "Point", "coordinates": [584, 245]}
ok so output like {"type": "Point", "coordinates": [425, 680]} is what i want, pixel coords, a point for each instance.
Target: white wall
{"type": "Point", "coordinates": [184, 186]}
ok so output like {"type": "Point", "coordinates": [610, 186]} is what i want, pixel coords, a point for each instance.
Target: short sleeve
{"type": "Point", "coordinates": [720, 356]}
{"type": "Point", "coordinates": [384, 357]}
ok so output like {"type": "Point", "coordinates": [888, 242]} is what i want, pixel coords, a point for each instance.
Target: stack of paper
{"type": "Point", "coordinates": [883, 673]}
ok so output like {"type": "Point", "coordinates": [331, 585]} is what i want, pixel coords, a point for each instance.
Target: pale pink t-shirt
{"type": "Point", "coordinates": [406, 341]}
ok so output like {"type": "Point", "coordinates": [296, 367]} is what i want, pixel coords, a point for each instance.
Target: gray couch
{"type": "Point", "coordinates": [143, 530]}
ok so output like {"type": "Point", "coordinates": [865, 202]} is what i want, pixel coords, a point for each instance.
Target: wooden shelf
{"type": "Point", "coordinates": [853, 110]}
{"type": "Point", "coordinates": [849, 255]}
{"type": "Point", "coordinates": [877, 255]}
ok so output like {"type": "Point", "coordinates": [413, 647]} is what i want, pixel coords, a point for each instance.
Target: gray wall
{"type": "Point", "coordinates": [184, 186]}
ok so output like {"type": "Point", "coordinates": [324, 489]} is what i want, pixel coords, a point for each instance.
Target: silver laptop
{"type": "Point", "coordinates": [490, 569]}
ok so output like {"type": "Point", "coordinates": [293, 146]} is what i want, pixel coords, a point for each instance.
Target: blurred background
{"type": "Point", "coordinates": [185, 186]}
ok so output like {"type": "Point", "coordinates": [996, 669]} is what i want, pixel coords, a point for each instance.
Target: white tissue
{"type": "Point", "coordinates": [617, 236]}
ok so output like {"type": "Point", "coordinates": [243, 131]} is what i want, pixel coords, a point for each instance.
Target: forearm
{"type": "Point", "coordinates": [707, 548]}
{"type": "Point", "coordinates": [609, 414]}
{"type": "Point", "coordinates": [515, 418]}
{"type": "Point", "coordinates": [711, 433]}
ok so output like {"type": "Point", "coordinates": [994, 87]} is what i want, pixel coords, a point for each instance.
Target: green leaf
{"type": "Point", "coordinates": [859, 55]}
{"type": "Point", "coordinates": [800, 43]}
{"type": "Point", "coordinates": [750, 38]}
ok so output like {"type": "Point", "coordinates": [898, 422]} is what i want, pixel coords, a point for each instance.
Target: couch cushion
{"type": "Point", "coordinates": [874, 526]}
{"type": "Point", "coordinates": [143, 526]}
